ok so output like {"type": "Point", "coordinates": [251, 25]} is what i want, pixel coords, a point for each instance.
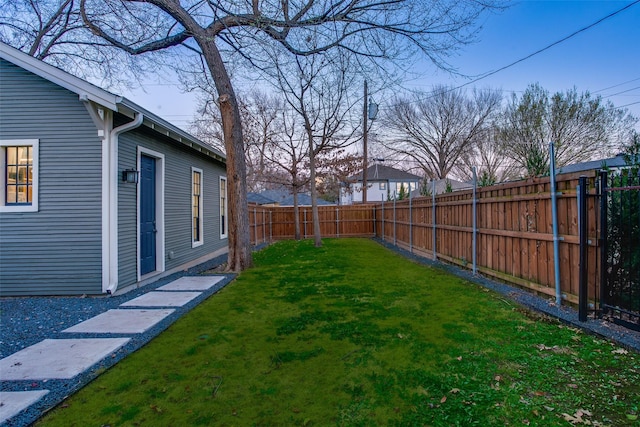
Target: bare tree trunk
{"type": "Point", "coordinates": [239, 243]}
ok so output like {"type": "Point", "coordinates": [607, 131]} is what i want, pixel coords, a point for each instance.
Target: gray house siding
{"type": "Point", "coordinates": [56, 250]}
{"type": "Point", "coordinates": [178, 161]}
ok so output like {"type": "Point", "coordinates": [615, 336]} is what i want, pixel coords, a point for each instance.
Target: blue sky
{"type": "Point", "coordinates": [605, 59]}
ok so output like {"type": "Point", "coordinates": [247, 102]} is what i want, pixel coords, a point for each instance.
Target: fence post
{"type": "Point", "coordinates": [475, 223]}
{"type": "Point", "coordinates": [383, 218]}
{"type": "Point", "coordinates": [375, 226]}
{"type": "Point", "coordinates": [410, 222]}
{"type": "Point", "coordinates": [582, 226]}
{"type": "Point", "coordinates": [394, 219]}
{"type": "Point", "coordinates": [264, 226]}
{"type": "Point", "coordinates": [337, 222]}
{"type": "Point", "coordinates": [433, 216]}
{"type": "Point", "coordinates": [554, 218]}
{"type": "Point", "coordinates": [304, 224]}
{"type": "Point", "coordinates": [270, 225]}
{"type": "Point", "coordinates": [604, 226]}
{"type": "Point", "coordinates": [255, 225]}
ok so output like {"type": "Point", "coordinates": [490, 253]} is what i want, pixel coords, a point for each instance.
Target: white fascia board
{"type": "Point", "coordinates": [83, 88]}
{"type": "Point", "coordinates": [164, 127]}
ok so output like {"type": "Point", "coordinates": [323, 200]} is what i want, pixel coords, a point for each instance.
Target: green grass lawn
{"type": "Point", "coordinates": [352, 334]}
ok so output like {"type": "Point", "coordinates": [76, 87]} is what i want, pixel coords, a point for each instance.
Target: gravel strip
{"type": "Point", "coordinates": [28, 320]}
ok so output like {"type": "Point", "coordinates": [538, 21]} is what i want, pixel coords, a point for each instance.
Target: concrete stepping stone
{"type": "Point", "coordinates": [130, 321]}
{"type": "Point", "coordinates": [12, 402]}
{"type": "Point", "coordinates": [57, 359]}
{"type": "Point", "coordinates": [192, 283]}
{"type": "Point", "coordinates": [162, 299]}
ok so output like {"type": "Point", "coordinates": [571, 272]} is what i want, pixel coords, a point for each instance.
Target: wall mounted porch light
{"type": "Point", "coordinates": [130, 176]}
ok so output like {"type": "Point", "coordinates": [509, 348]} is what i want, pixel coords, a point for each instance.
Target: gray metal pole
{"type": "Point", "coordinates": [394, 218]}
{"type": "Point", "coordinates": [554, 215]}
{"type": "Point", "coordinates": [475, 222]}
{"type": "Point", "coordinates": [410, 222]}
{"type": "Point", "coordinates": [433, 216]}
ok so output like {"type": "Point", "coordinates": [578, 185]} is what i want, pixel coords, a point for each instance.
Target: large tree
{"type": "Point", "coordinates": [438, 129]}
{"type": "Point", "coordinates": [53, 31]}
{"type": "Point", "coordinates": [380, 29]}
{"type": "Point", "coordinates": [581, 126]}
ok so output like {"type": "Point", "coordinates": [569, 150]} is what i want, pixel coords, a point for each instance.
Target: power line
{"type": "Point", "coordinates": [619, 84]}
{"type": "Point", "coordinates": [575, 33]}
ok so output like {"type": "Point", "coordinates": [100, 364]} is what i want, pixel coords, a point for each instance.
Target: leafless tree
{"type": "Point", "coordinates": [53, 31]}
{"type": "Point", "coordinates": [582, 127]}
{"type": "Point", "coordinates": [382, 30]}
{"type": "Point", "coordinates": [318, 89]}
{"type": "Point", "coordinates": [488, 157]}
{"type": "Point", "coordinates": [438, 129]}
{"type": "Point", "coordinates": [262, 129]}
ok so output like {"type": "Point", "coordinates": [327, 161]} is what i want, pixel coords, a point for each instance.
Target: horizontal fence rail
{"type": "Point", "coordinates": [514, 232]}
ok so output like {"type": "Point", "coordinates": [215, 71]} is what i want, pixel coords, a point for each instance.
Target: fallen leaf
{"type": "Point", "coordinates": [498, 378]}
{"type": "Point", "coordinates": [444, 399]}
{"type": "Point", "coordinates": [455, 390]}
{"type": "Point", "coordinates": [572, 385]}
{"type": "Point", "coordinates": [526, 422]}
{"type": "Point", "coordinates": [620, 351]}
{"type": "Point", "coordinates": [549, 408]}
{"type": "Point", "coordinates": [459, 358]}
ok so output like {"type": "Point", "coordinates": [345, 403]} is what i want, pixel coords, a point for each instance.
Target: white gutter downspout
{"type": "Point", "coordinates": [112, 282]}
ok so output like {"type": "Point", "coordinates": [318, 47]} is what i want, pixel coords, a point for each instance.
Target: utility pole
{"type": "Point", "coordinates": [364, 144]}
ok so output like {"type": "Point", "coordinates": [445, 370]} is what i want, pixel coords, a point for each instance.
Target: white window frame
{"type": "Point", "coordinates": [35, 147]}
{"type": "Point", "coordinates": [224, 233]}
{"type": "Point", "coordinates": [196, 243]}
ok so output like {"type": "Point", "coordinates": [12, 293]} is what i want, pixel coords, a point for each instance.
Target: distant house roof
{"type": "Point", "coordinates": [441, 185]}
{"type": "Point", "coordinates": [283, 198]}
{"type": "Point", "coordinates": [385, 173]}
{"type": "Point", "coordinates": [614, 162]}
{"type": "Point", "coordinates": [259, 199]}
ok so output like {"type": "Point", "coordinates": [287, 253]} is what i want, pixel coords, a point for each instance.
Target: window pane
{"type": "Point", "coordinates": [23, 155]}
{"type": "Point", "coordinates": [22, 194]}
{"type": "Point", "coordinates": [12, 155]}
{"type": "Point", "coordinates": [12, 173]}
{"type": "Point", "coordinates": [11, 194]}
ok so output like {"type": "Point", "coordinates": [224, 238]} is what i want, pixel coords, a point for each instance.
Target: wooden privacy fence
{"type": "Point", "coordinates": [277, 223]}
{"type": "Point", "coordinates": [514, 231]}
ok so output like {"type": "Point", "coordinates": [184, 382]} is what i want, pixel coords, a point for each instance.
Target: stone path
{"type": "Point", "coordinates": [65, 359]}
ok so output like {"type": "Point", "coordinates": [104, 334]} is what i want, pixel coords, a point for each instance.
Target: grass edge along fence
{"type": "Point", "coordinates": [514, 230]}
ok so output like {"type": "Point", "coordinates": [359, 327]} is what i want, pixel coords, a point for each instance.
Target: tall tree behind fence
{"type": "Point", "coordinates": [514, 232]}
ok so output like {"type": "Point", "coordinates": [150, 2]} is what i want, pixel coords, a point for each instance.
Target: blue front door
{"type": "Point", "coordinates": [147, 214]}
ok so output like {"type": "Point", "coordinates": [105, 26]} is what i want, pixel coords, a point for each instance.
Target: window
{"type": "Point", "coordinates": [196, 207]}
{"type": "Point", "coordinates": [223, 207]}
{"type": "Point", "coordinates": [383, 186]}
{"type": "Point", "coordinates": [19, 179]}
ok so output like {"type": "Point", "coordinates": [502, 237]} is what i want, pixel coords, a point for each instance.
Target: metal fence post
{"type": "Point", "coordinates": [582, 226]}
{"type": "Point", "coordinates": [382, 218]}
{"type": "Point", "coordinates": [475, 223]}
{"type": "Point", "coordinates": [433, 216]}
{"type": "Point", "coordinates": [410, 222]}
{"type": "Point", "coordinates": [604, 227]}
{"type": "Point", "coordinates": [394, 218]}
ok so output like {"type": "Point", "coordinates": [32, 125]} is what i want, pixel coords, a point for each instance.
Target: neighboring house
{"type": "Point", "coordinates": [382, 182]}
{"type": "Point", "coordinates": [442, 184]}
{"type": "Point", "coordinates": [259, 199]}
{"type": "Point", "coordinates": [612, 163]}
{"type": "Point", "coordinates": [282, 198]}
{"type": "Point", "coordinates": [98, 194]}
